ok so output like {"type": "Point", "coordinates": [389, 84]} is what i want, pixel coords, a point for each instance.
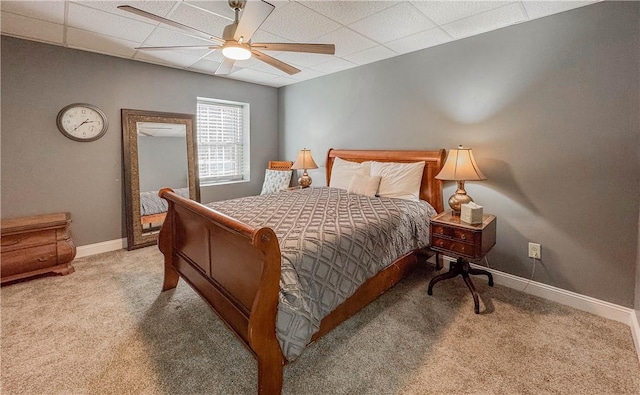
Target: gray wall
{"type": "Point", "coordinates": [162, 162]}
{"type": "Point", "coordinates": [550, 108]}
{"type": "Point", "coordinates": [637, 301]}
{"type": "Point", "coordinates": [43, 172]}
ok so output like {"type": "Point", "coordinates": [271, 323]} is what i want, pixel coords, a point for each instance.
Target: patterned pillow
{"type": "Point", "coordinates": [275, 181]}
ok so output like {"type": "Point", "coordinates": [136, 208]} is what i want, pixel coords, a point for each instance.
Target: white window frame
{"type": "Point", "coordinates": [244, 176]}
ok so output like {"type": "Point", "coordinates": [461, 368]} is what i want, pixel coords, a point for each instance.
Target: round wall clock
{"type": "Point", "coordinates": [82, 122]}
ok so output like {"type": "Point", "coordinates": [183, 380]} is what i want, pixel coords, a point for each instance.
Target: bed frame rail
{"type": "Point", "coordinates": [235, 267]}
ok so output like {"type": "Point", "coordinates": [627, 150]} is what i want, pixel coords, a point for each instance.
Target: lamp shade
{"type": "Point", "coordinates": [304, 160]}
{"type": "Point", "coordinates": [460, 166]}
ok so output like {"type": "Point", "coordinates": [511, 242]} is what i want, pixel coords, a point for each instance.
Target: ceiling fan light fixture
{"type": "Point", "coordinates": [236, 51]}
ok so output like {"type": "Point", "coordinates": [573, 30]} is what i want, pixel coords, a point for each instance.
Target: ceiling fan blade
{"type": "Point", "coordinates": [180, 47]}
{"type": "Point", "coordinates": [225, 67]}
{"type": "Point", "coordinates": [192, 32]}
{"type": "Point", "coordinates": [328, 49]}
{"type": "Point", "coordinates": [253, 15]}
{"type": "Point", "coordinates": [275, 63]}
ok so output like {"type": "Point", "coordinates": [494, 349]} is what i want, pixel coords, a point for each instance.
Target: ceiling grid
{"type": "Point", "coordinates": [362, 31]}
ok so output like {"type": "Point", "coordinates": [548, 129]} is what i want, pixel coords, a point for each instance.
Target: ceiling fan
{"type": "Point", "coordinates": [236, 38]}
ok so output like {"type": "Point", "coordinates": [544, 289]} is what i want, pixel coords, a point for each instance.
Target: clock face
{"type": "Point", "coordinates": [82, 122]}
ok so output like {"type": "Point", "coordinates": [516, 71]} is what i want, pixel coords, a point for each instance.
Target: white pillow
{"type": "Point", "coordinates": [364, 185]}
{"type": "Point", "coordinates": [399, 180]}
{"type": "Point", "coordinates": [343, 170]}
{"type": "Point", "coordinates": [275, 181]}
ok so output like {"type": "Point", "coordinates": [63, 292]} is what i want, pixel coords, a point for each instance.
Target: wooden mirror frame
{"type": "Point", "coordinates": [135, 237]}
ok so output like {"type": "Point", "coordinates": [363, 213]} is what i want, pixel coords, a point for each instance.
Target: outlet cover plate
{"type": "Point", "coordinates": [534, 250]}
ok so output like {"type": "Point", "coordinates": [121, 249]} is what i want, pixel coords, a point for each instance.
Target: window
{"type": "Point", "coordinates": [223, 141]}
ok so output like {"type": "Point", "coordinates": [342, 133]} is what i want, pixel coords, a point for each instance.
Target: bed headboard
{"type": "Point", "coordinates": [430, 188]}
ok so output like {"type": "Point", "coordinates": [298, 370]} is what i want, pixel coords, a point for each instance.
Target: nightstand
{"type": "Point", "coordinates": [466, 242]}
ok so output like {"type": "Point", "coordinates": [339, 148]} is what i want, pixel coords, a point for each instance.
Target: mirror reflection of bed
{"type": "Point", "coordinates": [158, 151]}
{"type": "Point", "coordinates": [162, 161]}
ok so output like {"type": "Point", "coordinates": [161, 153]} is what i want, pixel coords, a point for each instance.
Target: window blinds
{"type": "Point", "coordinates": [220, 141]}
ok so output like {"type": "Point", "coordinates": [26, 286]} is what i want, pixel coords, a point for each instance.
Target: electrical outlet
{"type": "Point", "coordinates": [534, 250]}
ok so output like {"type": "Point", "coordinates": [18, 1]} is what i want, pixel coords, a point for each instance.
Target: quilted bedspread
{"type": "Point", "coordinates": [331, 243]}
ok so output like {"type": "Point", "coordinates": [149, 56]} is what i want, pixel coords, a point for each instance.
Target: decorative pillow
{"type": "Point", "coordinates": [275, 181]}
{"type": "Point", "coordinates": [343, 170]}
{"type": "Point", "coordinates": [399, 180]}
{"type": "Point", "coordinates": [364, 185]}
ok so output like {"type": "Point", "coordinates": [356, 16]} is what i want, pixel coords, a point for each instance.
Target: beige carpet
{"type": "Point", "coordinates": [107, 329]}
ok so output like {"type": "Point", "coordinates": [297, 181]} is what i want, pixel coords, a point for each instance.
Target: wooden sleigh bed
{"type": "Point", "coordinates": [236, 268]}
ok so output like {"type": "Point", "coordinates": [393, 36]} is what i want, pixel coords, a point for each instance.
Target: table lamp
{"type": "Point", "coordinates": [304, 161]}
{"type": "Point", "coordinates": [460, 166]}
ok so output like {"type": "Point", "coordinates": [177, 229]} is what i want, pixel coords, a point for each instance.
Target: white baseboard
{"type": "Point", "coordinates": [635, 331]}
{"type": "Point", "coordinates": [577, 301]}
{"type": "Point", "coordinates": [99, 248]}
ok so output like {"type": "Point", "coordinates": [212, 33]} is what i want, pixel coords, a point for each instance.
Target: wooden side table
{"type": "Point", "coordinates": [466, 242]}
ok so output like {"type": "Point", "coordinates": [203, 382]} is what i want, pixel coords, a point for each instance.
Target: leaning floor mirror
{"type": "Point", "coordinates": [159, 151]}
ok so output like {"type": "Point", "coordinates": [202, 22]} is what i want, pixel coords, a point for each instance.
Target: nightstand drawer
{"type": "Point", "coordinates": [453, 246]}
{"type": "Point", "coordinates": [454, 233]}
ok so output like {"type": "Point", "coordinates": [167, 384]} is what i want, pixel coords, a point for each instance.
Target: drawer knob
{"type": "Point", "coordinates": [463, 237]}
{"type": "Point", "coordinates": [43, 259]}
{"type": "Point", "coordinates": [440, 243]}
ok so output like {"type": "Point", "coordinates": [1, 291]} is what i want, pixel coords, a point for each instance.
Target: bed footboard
{"type": "Point", "coordinates": [235, 268]}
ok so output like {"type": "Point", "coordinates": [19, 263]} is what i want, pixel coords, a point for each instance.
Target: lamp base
{"type": "Point", "coordinates": [459, 198]}
{"type": "Point", "coordinates": [305, 180]}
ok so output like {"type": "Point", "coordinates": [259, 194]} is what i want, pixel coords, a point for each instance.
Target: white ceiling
{"type": "Point", "coordinates": [362, 31]}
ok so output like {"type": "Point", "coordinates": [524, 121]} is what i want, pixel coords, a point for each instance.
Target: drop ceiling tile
{"type": "Point", "coordinates": [199, 19]}
{"type": "Point", "coordinates": [298, 23]}
{"type": "Point", "coordinates": [442, 12]}
{"type": "Point", "coordinates": [204, 66]}
{"type": "Point", "coordinates": [335, 65]}
{"type": "Point", "coordinates": [303, 59]}
{"type": "Point", "coordinates": [33, 29]}
{"type": "Point", "coordinates": [393, 23]}
{"type": "Point", "coordinates": [538, 9]}
{"type": "Point", "coordinates": [251, 76]}
{"type": "Point", "coordinates": [429, 38]}
{"type": "Point", "coordinates": [242, 64]}
{"type": "Point", "coordinates": [158, 7]}
{"type": "Point", "coordinates": [50, 11]}
{"type": "Point", "coordinates": [260, 36]}
{"type": "Point", "coordinates": [346, 41]}
{"type": "Point", "coordinates": [307, 74]}
{"type": "Point", "coordinates": [220, 8]}
{"type": "Point", "coordinates": [281, 81]}
{"type": "Point", "coordinates": [215, 56]}
{"type": "Point", "coordinates": [82, 39]}
{"type": "Point", "coordinates": [371, 55]}
{"type": "Point", "coordinates": [487, 21]}
{"type": "Point", "coordinates": [102, 22]}
{"type": "Point", "coordinates": [261, 66]}
{"type": "Point", "coordinates": [172, 58]}
{"type": "Point", "coordinates": [346, 12]}
{"type": "Point", "coordinates": [168, 37]}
